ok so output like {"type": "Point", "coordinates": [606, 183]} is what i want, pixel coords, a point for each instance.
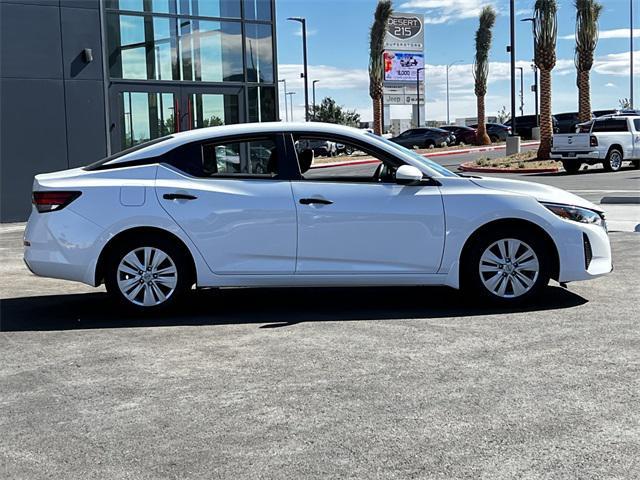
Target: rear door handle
{"type": "Point", "coordinates": [319, 201]}
{"type": "Point", "coordinates": [178, 196]}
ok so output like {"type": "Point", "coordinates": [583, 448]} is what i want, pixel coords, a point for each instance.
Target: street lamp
{"type": "Point", "coordinates": [448, 67]}
{"type": "Point", "coordinates": [521, 90]}
{"type": "Point", "coordinates": [631, 49]}
{"type": "Point", "coordinates": [421, 69]}
{"type": "Point", "coordinates": [286, 112]}
{"type": "Point", "coordinates": [313, 87]}
{"type": "Point", "coordinates": [291, 103]}
{"type": "Point", "coordinates": [534, 67]}
{"type": "Point", "coordinates": [512, 51]}
{"type": "Point", "coordinates": [303, 21]}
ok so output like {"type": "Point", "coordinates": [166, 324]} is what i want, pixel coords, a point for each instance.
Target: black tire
{"type": "Point", "coordinates": [571, 167]}
{"type": "Point", "coordinates": [472, 282]}
{"type": "Point", "coordinates": [177, 255]}
{"type": "Point", "coordinates": [429, 144]}
{"type": "Point", "coordinates": [636, 164]}
{"type": "Point", "coordinates": [613, 162]}
{"type": "Point", "coordinates": [494, 138]}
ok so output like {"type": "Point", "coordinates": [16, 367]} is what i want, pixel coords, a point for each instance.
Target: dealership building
{"type": "Point", "coordinates": [83, 79]}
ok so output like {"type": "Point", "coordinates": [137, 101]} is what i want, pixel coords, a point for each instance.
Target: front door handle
{"type": "Point", "coordinates": [178, 196]}
{"type": "Point", "coordinates": [311, 201]}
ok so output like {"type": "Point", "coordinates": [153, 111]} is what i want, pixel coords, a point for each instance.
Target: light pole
{"type": "Point", "coordinates": [291, 94]}
{"type": "Point", "coordinates": [303, 21]}
{"type": "Point", "coordinates": [534, 67]}
{"type": "Point", "coordinates": [512, 50]}
{"type": "Point", "coordinates": [448, 67]}
{"type": "Point", "coordinates": [421, 69]}
{"type": "Point", "coordinates": [631, 49]}
{"type": "Point", "coordinates": [286, 112]}
{"type": "Point", "coordinates": [521, 90]}
{"type": "Point", "coordinates": [313, 87]}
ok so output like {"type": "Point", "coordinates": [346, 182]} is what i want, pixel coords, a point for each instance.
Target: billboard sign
{"type": "Point", "coordinates": [402, 66]}
{"type": "Point", "coordinates": [403, 95]}
{"type": "Point", "coordinates": [405, 32]}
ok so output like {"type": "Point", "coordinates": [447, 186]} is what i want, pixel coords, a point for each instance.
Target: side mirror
{"type": "Point", "coordinates": [408, 175]}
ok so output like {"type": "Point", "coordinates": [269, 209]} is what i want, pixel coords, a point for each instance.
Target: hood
{"type": "Point", "coordinates": [542, 193]}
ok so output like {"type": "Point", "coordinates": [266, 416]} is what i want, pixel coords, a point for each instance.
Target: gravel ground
{"type": "Point", "coordinates": [320, 383]}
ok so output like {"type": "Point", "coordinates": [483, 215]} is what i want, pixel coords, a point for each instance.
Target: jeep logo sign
{"type": "Point", "coordinates": [403, 28]}
{"type": "Point", "coordinates": [405, 33]}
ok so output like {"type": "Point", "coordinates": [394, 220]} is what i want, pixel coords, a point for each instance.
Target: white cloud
{"type": "Point", "coordinates": [616, 64]}
{"type": "Point", "coordinates": [607, 34]}
{"type": "Point", "coordinates": [610, 85]}
{"type": "Point", "coordinates": [441, 11]}
{"type": "Point", "coordinates": [310, 32]}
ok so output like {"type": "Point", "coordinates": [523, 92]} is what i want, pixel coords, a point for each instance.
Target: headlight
{"type": "Point", "coordinates": [577, 214]}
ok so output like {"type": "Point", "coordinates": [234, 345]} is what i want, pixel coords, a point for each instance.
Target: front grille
{"type": "Point", "coordinates": [588, 253]}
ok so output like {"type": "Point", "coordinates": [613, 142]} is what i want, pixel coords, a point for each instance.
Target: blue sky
{"type": "Point", "coordinates": [338, 54]}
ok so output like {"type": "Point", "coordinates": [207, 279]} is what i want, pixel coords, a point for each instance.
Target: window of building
{"type": "Point", "coordinates": [259, 52]}
{"type": "Point", "coordinates": [257, 10]}
{"type": "Point", "coordinates": [262, 104]}
{"type": "Point", "coordinates": [257, 157]}
{"type": "Point", "coordinates": [146, 116]}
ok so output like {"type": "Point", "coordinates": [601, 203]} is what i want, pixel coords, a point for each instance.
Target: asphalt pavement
{"type": "Point", "coordinates": [324, 383]}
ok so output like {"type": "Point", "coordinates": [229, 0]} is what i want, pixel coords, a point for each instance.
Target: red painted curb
{"type": "Point", "coordinates": [466, 168]}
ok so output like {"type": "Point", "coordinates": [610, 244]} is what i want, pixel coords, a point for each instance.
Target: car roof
{"type": "Point", "coordinates": [158, 147]}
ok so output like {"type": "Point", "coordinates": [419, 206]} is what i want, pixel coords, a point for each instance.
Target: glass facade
{"type": "Point", "coordinates": [206, 62]}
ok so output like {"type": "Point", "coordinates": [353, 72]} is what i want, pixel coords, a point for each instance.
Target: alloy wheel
{"type": "Point", "coordinates": [615, 160]}
{"type": "Point", "coordinates": [509, 268]}
{"type": "Point", "coordinates": [147, 276]}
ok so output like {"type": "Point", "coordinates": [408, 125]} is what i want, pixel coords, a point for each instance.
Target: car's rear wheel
{"type": "Point", "coordinates": [506, 266]}
{"type": "Point", "coordinates": [571, 167]}
{"type": "Point", "coordinates": [429, 144]}
{"type": "Point", "coordinates": [147, 274]}
{"type": "Point", "coordinates": [613, 162]}
{"type": "Point", "coordinates": [494, 138]}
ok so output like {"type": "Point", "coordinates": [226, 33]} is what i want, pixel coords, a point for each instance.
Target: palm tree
{"type": "Point", "coordinates": [481, 69]}
{"type": "Point", "coordinates": [587, 15]}
{"type": "Point", "coordinates": [376, 61]}
{"type": "Point", "coordinates": [546, 34]}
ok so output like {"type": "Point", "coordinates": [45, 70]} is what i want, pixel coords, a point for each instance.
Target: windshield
{"type": "Point", "coordinates": [423, 160]}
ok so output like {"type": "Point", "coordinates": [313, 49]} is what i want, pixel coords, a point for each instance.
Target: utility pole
{"type": "Point", "coordinates": [313, 87]}
{"type": "Point", "coordinates": [521, 90]}
{"type": "Point", "coordinates": [286, 111]}
{"type": "Point", "coordinates": [305, 75]}
{"type": "Point", "coordinates": [448, 67]}
{"type": "Point", "coordinates": [421, 69]}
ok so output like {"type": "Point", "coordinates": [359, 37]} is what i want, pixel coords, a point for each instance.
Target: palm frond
{"type": "Point", "coordinates": [483, 46]}
{"type": "Point", "coordinates": [378, 31]}
{"type": "Point", "coordinates": [546, 33]}
{"type": "Point", "coordinates": [587, 16]}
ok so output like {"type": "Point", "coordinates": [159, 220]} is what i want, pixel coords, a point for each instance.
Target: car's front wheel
{"type": "Point", "coordinates": [147, 274]}
{"type": "Point", "coordinates": [506, 266]}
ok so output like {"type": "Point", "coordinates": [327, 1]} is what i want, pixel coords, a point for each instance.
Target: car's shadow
{"type": "Point", "coordinates": [270, 308]}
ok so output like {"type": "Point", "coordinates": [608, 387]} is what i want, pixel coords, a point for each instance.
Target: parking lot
{"type": "Point", "coordinates": [320, 383]}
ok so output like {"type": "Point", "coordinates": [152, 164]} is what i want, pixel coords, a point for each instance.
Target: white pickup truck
{"type": "Point", "coordinates": [611, 140]}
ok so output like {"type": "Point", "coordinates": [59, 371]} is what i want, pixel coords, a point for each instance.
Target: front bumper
{"type": "Point", "coordinates": [585, 252]}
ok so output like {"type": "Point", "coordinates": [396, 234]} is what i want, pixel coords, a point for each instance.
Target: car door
{"type": "Point", "coordinates": [349, 223]}
{"type": "Point", "coordinates": [233, 204]}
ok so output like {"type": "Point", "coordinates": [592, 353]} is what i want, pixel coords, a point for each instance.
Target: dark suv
{"type": "Point", "coordinates": [567, 122]}
{"type": "Point", "coordinates": [526, 123]}
{"type": "Point", "coordinates": [497, 132]}
{"type": "Point", "coordinates": [423, 138]}
{"type": "Point", "coordinates": [464, 135]}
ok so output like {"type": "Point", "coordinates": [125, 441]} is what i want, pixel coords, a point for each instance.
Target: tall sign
{"type": "Point", "coordinates": [404, 59]}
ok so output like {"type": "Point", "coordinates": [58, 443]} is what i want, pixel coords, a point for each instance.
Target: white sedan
{"type": "Point", "coordinates": [154, 221]}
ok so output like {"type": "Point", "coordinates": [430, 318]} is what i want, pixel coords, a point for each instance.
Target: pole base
{"type": "Point", "coordinates": [513, 145]}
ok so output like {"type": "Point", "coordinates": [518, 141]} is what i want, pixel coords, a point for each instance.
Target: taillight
{"type": "Point", "coordinates": [593, 141]}
{"type": "Point", "coordinates": [54, 200]}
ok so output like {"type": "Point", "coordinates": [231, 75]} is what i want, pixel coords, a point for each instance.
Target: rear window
{"type": "Point", "coordinates": [636, 123]}
{"type": "Point", "coordinates": [611, 125]}
{"type": "Point", "coordinates": [116, 156]}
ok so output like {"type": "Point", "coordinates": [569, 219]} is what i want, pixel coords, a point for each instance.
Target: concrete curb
{"type": "Point", "coordinates": [467, 167]}
{"type": "Point", "coordinates": [621, 200]}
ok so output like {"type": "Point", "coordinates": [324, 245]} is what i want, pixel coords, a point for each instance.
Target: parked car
{"type": "Point", "coordinates": [497, 131]}
{"type": "Point", "coordinates": [611, 140]}
{"type": "Point", "coordinates": [463, 135]}
{"type": "Point", "coordinates": [567, 122]}
{"type": "Point", "coordinates": [423, 138]}
{"type": "Point", "coordinates": [321, 148]}
{"type": "Point", "coordinates": [150, 223]}
{"type": "Point", "coordinates": [526, 124]}
{"type": "Point", "coordinates": [602, 113]}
